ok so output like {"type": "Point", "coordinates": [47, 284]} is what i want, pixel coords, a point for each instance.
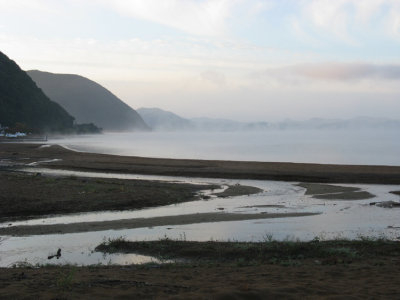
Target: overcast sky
{"type": "Point", "coordinates": [239, 59]}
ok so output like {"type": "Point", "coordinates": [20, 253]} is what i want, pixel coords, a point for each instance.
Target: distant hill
{"type": "Point", "coordinates": [162, 120]}
{"type": "Point", "coordinates": [21, 101]}
{"type": "Point", "coordinates": [209, 124]}
{"type": "Point", "coordinates": [88, 101]}
{"type": "Point", "coordinates": [159, 119]}
{"type": "Point", "coordinates": [338, 124]}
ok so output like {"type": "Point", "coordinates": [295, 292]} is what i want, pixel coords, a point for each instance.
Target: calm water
{"type": "Point", "coordinates": [376, 147]}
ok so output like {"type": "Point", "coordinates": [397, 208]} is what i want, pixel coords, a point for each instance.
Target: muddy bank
{"type": "Point", "coordinates": [24, 196]}
{"type": "Point", "coordinates": [12, 154]}
{"type": "Point", "coordinates": [267, 251]}
{"type": "Point", "coordinates": [374, 274]}
{"type": "Point", "coordinates": [141, 222]}
{"type": "Point", "coordinates": [333, 192]}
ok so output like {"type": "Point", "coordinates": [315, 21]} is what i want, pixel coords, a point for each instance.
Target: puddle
{"type": "Point", "coordinates": [338, 219]}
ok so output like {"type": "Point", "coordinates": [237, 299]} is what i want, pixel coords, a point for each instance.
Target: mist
{"type": "Point", "coordinates": [162, 120]}
{"type": "Point", "coordinates": [357, 146]}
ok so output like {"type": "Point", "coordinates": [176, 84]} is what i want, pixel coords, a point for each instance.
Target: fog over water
{"type": "Point", "coordinates": [365, 147]}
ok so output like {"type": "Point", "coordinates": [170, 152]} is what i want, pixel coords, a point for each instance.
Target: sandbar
{"type": "Point", "coordinates": [141, 222]}
{"type": "Point", "coordinates": [334, 192]}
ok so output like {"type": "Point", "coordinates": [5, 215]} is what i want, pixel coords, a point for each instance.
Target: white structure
{"type": "Point", "coordinates": [14, 135]}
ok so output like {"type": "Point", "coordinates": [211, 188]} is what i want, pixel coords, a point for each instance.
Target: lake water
{"type": "Point", "coordinates": [365, 147]}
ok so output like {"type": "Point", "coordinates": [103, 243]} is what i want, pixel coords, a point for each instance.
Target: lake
{"type": "Point", "coordinates": [365, 147]}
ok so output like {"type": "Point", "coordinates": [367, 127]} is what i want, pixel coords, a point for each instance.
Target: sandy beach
{"type": "Point", "coordinates": [18, 153]}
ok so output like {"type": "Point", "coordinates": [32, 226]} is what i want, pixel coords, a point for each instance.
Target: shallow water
{"type": "Point", "coordinates": [338, 219]}
{"type": "Point", "coordinates": [76, 249]}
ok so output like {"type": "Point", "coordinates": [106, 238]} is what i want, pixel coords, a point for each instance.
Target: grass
{"type": "Point", "coordinates": [289, 252]}
{"type": "Point", "coordinates": [23, 196]}
{"type": "Point", "coordinates": [66, 279]}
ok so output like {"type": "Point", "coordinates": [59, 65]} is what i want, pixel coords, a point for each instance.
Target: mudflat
{"type": "Point", "coordinates": [19, 153]}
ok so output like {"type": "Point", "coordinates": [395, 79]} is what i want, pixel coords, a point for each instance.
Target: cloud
{"type": "Point", "coordinates": [345, 75]}
{"type": "Point", "coordinates": [341, 17]}
{"type": "Point", "coordinates": [393, 23]}
{"type": "Point", "coordinates": [42, 7]}
{"type": "Point", "coordinates": [347, 71]}
{"type": "Point", "coordinates": [214, 77]}
{"type": "Point", "coordinates": [329, 15]}
{"type": "Point", "coordinates": [195, 17]}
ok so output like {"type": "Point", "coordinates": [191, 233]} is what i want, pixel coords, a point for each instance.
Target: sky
{"type": "Point", "coordinates": [247, 60]}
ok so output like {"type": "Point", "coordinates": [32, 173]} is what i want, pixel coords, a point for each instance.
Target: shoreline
{"type": "Point", "coordinates": [24, 153]}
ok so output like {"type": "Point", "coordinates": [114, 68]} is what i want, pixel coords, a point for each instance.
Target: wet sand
{"type": "Point", "coordinates": [141, 222]}
{"type": "Point", "coordinates": [71, 160]}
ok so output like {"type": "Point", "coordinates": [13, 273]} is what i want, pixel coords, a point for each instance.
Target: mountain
{"type": "Point", "coordinates": [209, 124]}
{"type": "Point", "coordinates": [159, 119]}
{"type": "Point", "coordinates": [21, 101]}
{"type": "Point", "coordinates": [162, 120]}
{"type": "Point", "coordinates": [339, 124]}
{"type": "Point", "coordinates": [88, 101]}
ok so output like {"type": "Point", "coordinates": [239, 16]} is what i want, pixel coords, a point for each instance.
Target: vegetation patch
{"type": "Point", "coordinates": [334, 192]}
{"type": "Point", "coordinates": [238, 190]}
{"type": "Point", "coordinates": [25, 195]}
{"type": "Point", "coordinates": [270, 251]}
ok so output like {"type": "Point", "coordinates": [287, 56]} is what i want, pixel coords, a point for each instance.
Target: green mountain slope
{"type": "Point", "coordinates": [21, 101]}
{"type": "Point", "coordinates": [88, 101]}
